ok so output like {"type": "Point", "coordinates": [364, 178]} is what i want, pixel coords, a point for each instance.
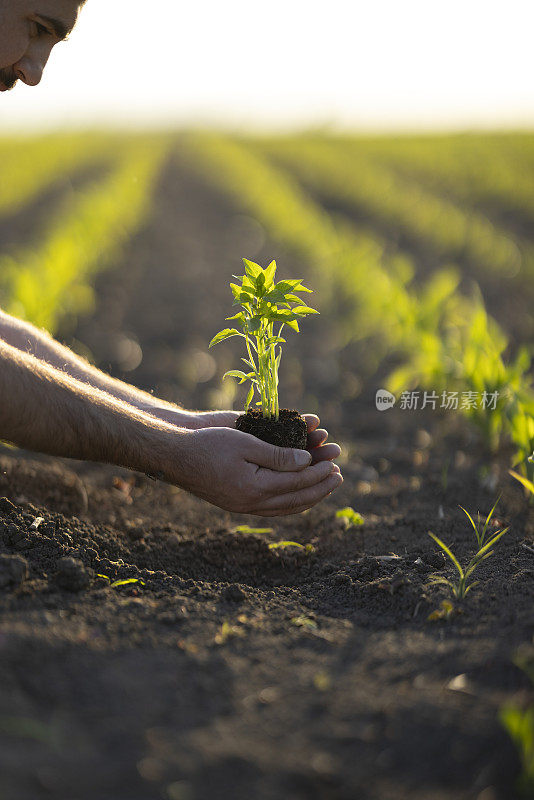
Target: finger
{"type": "Point", "coordinates": [325, 452]}
{"type": "Point", "coordinates": [293, 502]}
{"type": "Point", "coordinates": [282, 512]}
{"type": "Point", "coordinates": [275, 484]}
{"type": "Point", "coordinates": [280, 459]}
{"type": "Point", "coordinates": [312, 421]}
{"type": "Point", "coordinates": [316, 437]}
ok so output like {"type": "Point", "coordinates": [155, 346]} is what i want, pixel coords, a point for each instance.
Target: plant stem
{"type": "Point", "coordinates": [274, 376]}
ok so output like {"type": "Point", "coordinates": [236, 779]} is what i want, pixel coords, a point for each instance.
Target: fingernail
{"type": "Point", "coordinates": [301, 457]}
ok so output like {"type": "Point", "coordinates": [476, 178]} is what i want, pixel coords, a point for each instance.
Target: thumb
{"type": "Point", "coordinates": [282, 459]}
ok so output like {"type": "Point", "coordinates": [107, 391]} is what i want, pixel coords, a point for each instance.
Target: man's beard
{"type": "Point", "coordinates": [8, 78]}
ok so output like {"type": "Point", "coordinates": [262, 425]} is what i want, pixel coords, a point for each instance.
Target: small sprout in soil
{"type": "Point", "coordinates": [519, 723]}
{"type": "Point", "coordinates": [445, 611]}
{"type": "Point", "coordinates": [247, 529]}
{"type": "Point", "coordinates": [481, 534]}
{"type": "Point", "coordinates": [263, 303]}
{"type": "Point", "coordinates": [125, 582]}
{"type": "Point", "coordinates": [304, 622]}
{"type": "Point", "coordinates": [308, 548]}
{"type": "Point", "coordinates": [461, 588]}
{"type": "Point", "coordinates": [228, 631]}
{"type": "Point", "coordinates": [350, 517]}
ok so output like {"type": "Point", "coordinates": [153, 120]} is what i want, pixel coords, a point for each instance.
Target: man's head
{"type": "Point", "coordinates": [29, 29]}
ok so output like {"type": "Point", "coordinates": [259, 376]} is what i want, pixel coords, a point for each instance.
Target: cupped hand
{"type": "Point", "coordinates": [320, 449]}
{"type": "Point", "coordinates": [238, 472]}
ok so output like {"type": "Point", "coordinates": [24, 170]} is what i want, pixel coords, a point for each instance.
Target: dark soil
{"type": "Point", "coordinates": [289, 430]}
{"type": "Point", "coordinates": [147, 650]}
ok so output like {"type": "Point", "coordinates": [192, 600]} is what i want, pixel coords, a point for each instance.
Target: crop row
{"type": "Point", "coordinates": [30, 165]}
{"type": "Point", "coordinates": [447, 339]}
{"type": "Point", "coordinates": [83, 237]}
{"type": "Point", "coordinates": [493, 173]}
{"type": "Point", "coordinates": [451, 230]}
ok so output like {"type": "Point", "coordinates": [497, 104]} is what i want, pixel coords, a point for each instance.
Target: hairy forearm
{"type": "Point", "coordinates": [28, 339]}
{"type": "Point", "coordinates": [45, 410]}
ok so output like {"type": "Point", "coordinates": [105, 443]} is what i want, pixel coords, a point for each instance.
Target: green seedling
{"type": "Point", "coordinates": [481, 534]}
{"type": "Point", "coordinates": [529, 486]}
{"type": "Point", "coordinates": [125, 582]}
{"type": "Point", "coordinates": [263, 303]}
{"type": "Point", "coordinates": [519, 723]}
{"type": "Point", "coordinates": [462, 587]}
{"type": "Point", "coordinates": [248, 529]}
{"type": "Point", "coordinates": [304, 622]}
{"type": "Point", "coordinates": [228, 631]}
{"type": "Point", "coordinates": [308, 548]}
{"type": "Point", "coordinates": [351, 517]}
{"type": "Point", "coordinates": [445, 611]}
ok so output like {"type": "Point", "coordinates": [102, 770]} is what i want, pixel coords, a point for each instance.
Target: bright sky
{"type": "Point", "coordinates": [373, 64]}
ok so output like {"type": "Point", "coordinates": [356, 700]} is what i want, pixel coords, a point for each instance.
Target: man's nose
{"type": "Point", "coordinates": [30, 68]}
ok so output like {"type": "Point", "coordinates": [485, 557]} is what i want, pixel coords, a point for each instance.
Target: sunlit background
{"type": "Point", "coordinates": [374, 65]}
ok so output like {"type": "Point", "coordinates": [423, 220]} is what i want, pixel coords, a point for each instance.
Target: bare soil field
{"type": "Point", "coordinates": [230, 670]}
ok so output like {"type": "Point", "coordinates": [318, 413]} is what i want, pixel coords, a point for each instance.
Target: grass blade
{"type": "Point", "coordinates": [448, 552]}
{"type": "Point", "coordinates": [488, 519]}
{"type": "Point", "coordinates": [472, 523]}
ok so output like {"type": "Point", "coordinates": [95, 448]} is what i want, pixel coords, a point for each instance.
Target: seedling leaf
{"type": "Point", "coordinates": [247, 529]}
{"type": "Point", "coordinates": [235, 373]}
{"type": "Point", "coordinates": [303, 622]}
{"type": "Point", "coordinates": [448, 552]}
{"type": "Point", "coordinates": [351, 516]}
{"type": "Point", "coordinates": [225, 334]}
{"type": "Point", "coordinates": [525, 481]}
{"type": "Point", "coordinates": [126, 581]}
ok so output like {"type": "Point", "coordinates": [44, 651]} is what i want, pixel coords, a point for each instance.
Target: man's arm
{"type": "Point", "coordinates": [43, 409]}
{"type": "Point", "coordinates": [29, 339]}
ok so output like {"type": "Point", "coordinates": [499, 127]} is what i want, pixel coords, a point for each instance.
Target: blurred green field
{"type": "Point", "coordinates": [422, 246]}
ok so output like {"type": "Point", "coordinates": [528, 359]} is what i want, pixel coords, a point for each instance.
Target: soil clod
{"type": "Point", "coordinates": [71, 574]}
{"type": "Point", "coordinates": [13, 571]}
{"type": "Point", "coordinates": [290, 430]}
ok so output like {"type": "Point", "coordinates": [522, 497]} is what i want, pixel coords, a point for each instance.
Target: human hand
{"type": "Point", "coordinates": [238, 472]}
{"type": "Point", "coordinates": [320, 449]}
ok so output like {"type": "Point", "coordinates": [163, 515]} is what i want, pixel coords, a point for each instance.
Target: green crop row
{"type": "Point", "coordinates": [340, 171]}
{"type": "Point", "coordinates": [30, 164]}
{"type": "Point", "coordinates": [85, 235]}
{"type": "Point", "coordinates": [493, 172]}
{"type": "Point", "coordinates": [447, 339]}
